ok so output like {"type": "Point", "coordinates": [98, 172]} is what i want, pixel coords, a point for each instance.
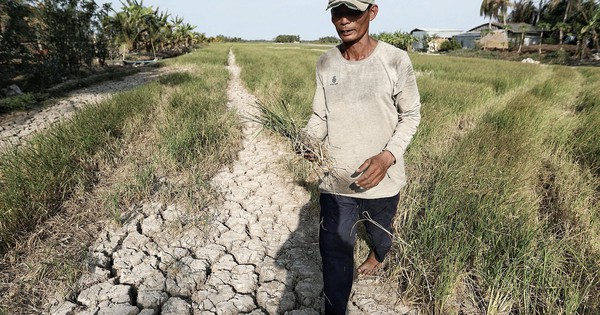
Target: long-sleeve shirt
{"type": "Point", "coordinates": [361, 108]}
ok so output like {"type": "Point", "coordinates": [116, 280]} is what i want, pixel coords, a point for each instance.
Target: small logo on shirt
{"type": "Point", "coordinates": [334, 81]}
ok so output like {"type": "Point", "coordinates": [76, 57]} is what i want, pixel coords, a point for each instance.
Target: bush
{"type": "Point", "coordinates": [328, 40]}
{"type": "Point", "coordinates": [224, 39]}
{"type": "Point", "coordinates": [398, 39]}
{"type": "Point", "coordinates": [287, 38]}
{"type": "Point", "coordinates": [450, 45]}
{"type": "Point", "coordinates": [19, 102]}
{"type": "Point", "coordinates": [560, 57]}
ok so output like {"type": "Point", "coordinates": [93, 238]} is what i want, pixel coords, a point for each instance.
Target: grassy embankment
{"type": "Point", "coordinates": [502, 211]}
{"type": "Point", "coordinates": [159, 142]}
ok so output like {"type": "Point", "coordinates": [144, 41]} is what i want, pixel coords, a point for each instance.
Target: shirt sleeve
{"type": "Point", "coordinates": [408, 105]}
{"type": "Point", "coordinates": [317, 124]}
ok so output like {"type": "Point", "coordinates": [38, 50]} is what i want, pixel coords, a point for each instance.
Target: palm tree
{"type": "Point", "coordinates": [523, 28]}
{"type": "Point", "coordinates": [543, 27]}
{"type": "Point", "coordinates": [570, 5]}
{"type": "Point", "coordinates": [162, 30]}
{"type": "Point", "coordinates": [562, 29]}
{"type": "Point", "coordinates": [538, 13]}
{"type": "Point", "coordinates": [136, 26]}
{"type": "Point", "coordinates": [183, 34]}
{"type": "Point", "coordinates": [494, 9]}
{"type": "Point", "coordinates": [523, 11]}
{"type": "Point", "coordinates": [503, 6]}
{"type": "Point", "coordinates": [175, 39]}
{"type": "Point", "coordinates": [488, 10]}
{"type": "Point", "coordinates": [596, 28]}
{"type": "Point", "coordinates": [590, 12]}
{"type": "Point", "coordinates": [131, 23]}
{"type": "Point", "coordinates": [157, 29]}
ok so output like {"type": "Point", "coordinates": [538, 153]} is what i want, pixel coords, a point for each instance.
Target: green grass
{"type": "Point", "coordinates": [267, 74]}
{"type": "Point", "coordinates": [501, 213]}
{"type": "Point", "coordinates": [586, 138]}
{"type": "Point", "coordinates": [183, 114]}
{"type": "Point", "coordinates": [38, 177]}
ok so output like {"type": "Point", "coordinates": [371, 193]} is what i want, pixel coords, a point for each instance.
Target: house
{"type": "Point", "coordinates": [430, 38]}
{"type": "Point", "coordinates": [500, 36]}
{"type": "Point", "coordinates": [467, 40]}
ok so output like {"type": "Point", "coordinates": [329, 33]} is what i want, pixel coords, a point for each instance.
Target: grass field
{"type": "Point", "coordinates": [501, 213]}
{"type": "Point", "coordinates": [89, 171]}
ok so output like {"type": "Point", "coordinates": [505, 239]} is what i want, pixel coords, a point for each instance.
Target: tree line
{"type": "Point", "coordinates": [43, 41]}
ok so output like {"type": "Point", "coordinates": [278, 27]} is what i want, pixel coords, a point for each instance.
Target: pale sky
{"type": "Point", "coordinates": [265, 19]}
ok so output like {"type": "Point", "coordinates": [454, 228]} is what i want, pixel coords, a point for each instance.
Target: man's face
{"type": "Point", "coordinates": [352, 25]}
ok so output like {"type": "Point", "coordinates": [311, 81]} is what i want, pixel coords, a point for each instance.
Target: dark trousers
{"type": "Point", "coordinates": [337, 234]}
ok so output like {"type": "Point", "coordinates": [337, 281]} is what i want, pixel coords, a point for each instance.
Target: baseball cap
{"type": "Point", "coordinates": [360, 5]}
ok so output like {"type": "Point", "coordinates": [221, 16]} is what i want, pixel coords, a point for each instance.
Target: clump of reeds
{"type": "Point", "coordinates": [279, 119]}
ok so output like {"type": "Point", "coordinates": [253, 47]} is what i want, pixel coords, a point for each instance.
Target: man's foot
{"type": "Point", "coordinates": [371, 266]}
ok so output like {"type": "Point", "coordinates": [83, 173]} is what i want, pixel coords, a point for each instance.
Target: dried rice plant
{"type": "Point", "coordinates": [278, 119]}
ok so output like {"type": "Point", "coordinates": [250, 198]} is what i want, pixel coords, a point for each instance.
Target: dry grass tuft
{"type": "Point", "coordinates": [278, 119]}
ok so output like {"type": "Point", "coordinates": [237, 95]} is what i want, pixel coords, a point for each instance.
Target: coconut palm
{"type": "Point", "coordinates": [131, 23]}
{"type": "Point", "coordinates": [523, 29]}
{"type": "Point", "coordinates": [488, 10]}
{"type": "Point", "coordinates": [539, 11]}
{"type": "Point", "coordinates": [543, 28]}
{"type": "Point", "coordinates": [497, 9]}
{"type": "Point", "coordinates": [157, 29]}
{"type": "Point", "coordinates": [570, 5]}
{"type": "Point", "coordinates": [503, 6]}
{"type": "Point", "coordinates": [589, 11]}
{"type": "Point", "coordinates": [138, 27]}
{"type": "Point", "coordinates": [183, 35]}
{"type": "Point", "coordinates": [523, 12]}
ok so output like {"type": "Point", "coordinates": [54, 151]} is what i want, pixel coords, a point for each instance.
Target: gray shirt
{"type": "Point", "coordinates": [361, 108]}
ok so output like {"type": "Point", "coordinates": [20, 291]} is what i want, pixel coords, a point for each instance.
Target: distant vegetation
{"type": "Point", "coordinates": [287, 39]}
{"type": "Point", "coordinates": [399, 39]}
{"type": "Point", "coordinates": [328, 40]}
{"type": "Point", "coordinates": [224, 39]}
{"type": "Point", "coordinates": [42, 42]}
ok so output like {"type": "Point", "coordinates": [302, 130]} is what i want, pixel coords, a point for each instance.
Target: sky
{"type": "Point", "coordinates": [265, 19]}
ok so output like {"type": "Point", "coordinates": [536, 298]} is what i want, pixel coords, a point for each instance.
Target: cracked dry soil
{"type": "Point", "coordinates": [259, 256]}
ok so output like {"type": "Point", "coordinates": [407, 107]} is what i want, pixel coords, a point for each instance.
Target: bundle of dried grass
{"type": "Point", "coordinates": [278, 119]}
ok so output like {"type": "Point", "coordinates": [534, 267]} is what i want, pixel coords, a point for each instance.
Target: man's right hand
{"type": "Point", "coordinates": [307, 154]}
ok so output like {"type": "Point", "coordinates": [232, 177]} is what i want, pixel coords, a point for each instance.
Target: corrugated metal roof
{"type": "Point", "coordinates": [444, 33]}
{"type": "Point", "coordinates": [469, 34]}
{"type": "Point", "coordinates": [435, 30]}
{"type": "Point", "coordinates": [512, 27]}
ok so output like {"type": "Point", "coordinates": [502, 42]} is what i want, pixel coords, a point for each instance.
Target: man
{"type": "Point", "coordinates": [366, 108]}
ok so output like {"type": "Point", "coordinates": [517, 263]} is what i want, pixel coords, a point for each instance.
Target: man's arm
{"type": "Point", "coordinates": [408, 105]}
{"type": "Point", "coordinates": [317, 124]}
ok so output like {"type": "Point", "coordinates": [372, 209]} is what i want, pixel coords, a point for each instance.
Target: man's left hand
{"type": "Point", "coordinates": [374, 169]}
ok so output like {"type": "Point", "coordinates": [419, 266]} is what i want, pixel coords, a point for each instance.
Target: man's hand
{"type": "Point", "coordinates": [307, 154]}
{"type": "Point", "coordinates": [375, 169]}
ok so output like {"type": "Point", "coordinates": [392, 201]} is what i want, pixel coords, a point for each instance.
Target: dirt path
{"type": "Point", "coordinates": [17, 126]}
{"type": "Point", "coordinates": [259, 256]}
